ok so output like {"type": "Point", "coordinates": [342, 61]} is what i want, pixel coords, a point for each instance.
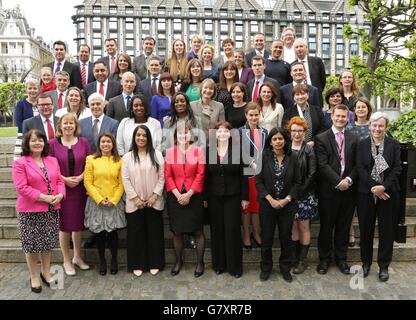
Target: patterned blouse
{"type": "Point", "coordinates": [278, 173]}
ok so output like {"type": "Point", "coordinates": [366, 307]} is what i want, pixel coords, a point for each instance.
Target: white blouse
{"type": "Point", "coordinates": [84, 114]}
{"type": "Point", "coordinates": [273, 118]}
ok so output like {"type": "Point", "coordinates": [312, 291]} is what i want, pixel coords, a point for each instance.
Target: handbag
{"type": "Point", "coordinates": [401, 232]}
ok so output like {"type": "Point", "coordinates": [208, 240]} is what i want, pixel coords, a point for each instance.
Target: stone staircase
{"type": "Point", "coordinates": [11, 252]}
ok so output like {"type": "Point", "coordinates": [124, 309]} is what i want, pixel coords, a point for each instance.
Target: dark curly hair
{"type": "Point", "coordinates": [26, 139]}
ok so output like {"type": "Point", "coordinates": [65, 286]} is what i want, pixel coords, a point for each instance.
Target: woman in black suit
{"type": "Point", "coordinates": [226, 190]}
{"type": "Point", "coordinates": [378, 165]}
{"type": "Point", "coordinates": [277, 186]}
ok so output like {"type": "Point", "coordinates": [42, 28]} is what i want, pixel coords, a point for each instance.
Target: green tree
{"type": "Point", "coordinates": [389, 44]}
{"type": "Point", "coordinates": [10, 93]}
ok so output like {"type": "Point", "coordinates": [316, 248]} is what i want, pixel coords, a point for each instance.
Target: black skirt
{"type": "Point", "coordinates": [187, 218]}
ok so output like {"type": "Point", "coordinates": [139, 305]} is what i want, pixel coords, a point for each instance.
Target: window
{"type": "Point", "coordinates": [4, 48]}
{"type": "Point", "coordinates": [177, 11]}
{"type": "Point", "coordinates": [177, 25]}
{"type": "Point", "coordinates": [312, 29]}
{"type": "Point", "coordinates": [208, 12]}
{"type": "Point", "coordinates": [129, 25]}
{"type": "Point", "coordinates": [283, 15]}
{"type": "Point", "coordinates": [312, 16]}
{"type": "Point", "coordinates": [239, 13]}
{"type": "Point", "coordinates": [161, 11]}
{"type": "Point", "coordinates": [340, 48]}
{"type": "Point", "coordinates": [113, 25]}
{"type": "Point", "coordinates": [96, 9]}
{"type": "Point", "coordinates": [193, 26]}
{"type": "Point", "coordinates": [145, 24]}
{"type": "Point", "coordinates": [113, 10]}
{"type": "Point", "coordinates": [297, 15]}
{"type": "Point", "coordinates": [146, 10]}
{"type": "Point", "coordinates": [208, 25]}
{"type": "Point", "coordinates": [129, 10]}
{"type": "Point", "coordinates": [192, 11]}
{"type": "Point", "coordinates": [224, 26]}
{"type": "Point", "coordinates": [223, 13]}
{"type": "Point", "coordinates": [161, 24]}
{"type": "Point", "coordinates": [254, 27]}
{"type": "Point", "coordinates": [96, 23]}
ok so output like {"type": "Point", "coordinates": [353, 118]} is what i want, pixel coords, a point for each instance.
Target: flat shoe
{"type": "Point", "coordinates": [138, 273]}
{"type": "Point", "coordinates": [154, 272]}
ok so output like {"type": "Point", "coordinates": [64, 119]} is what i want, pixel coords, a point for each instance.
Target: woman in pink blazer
{"type": "Point", "coordinates": [184, 178]}
{"type": "Point", "coordinates": [40, 189]}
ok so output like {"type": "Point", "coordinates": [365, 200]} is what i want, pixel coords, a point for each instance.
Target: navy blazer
{"type": "Point", "coordinates": [252, 54]}
{"type": "Point", "coordinates": [73, 70]}
{"type": "Point", "coordinates": [36, 123]}
{"type": "Point", "coordinates": [114, 89]}
{"type": "Point", "coordinates": [315, 98]}
{"type": "Point", "coordinates": [108, 125]}
{"type": "Point", "coordinates": [91, 77]}
{"type": "Point", "coordinates": [365, 163]}
{"type": "Point", "coordinates": [145, 88]}
{"type": "Point", "coordinates": [22, 111]}
{"type": "Point", "coordinates": [250, 88]}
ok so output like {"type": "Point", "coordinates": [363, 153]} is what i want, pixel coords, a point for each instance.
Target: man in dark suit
{"type": "Point", "coordinates": [98, 123]}
{"type": "Point", "coordinates": [106, 87]}
{"type": "Point", "coordinates": [60, 64]}
{"type": "Point", "coordinates": [315, 118]}
{"type": "Point", "coordinates": [315, 68]}
{"type": "Point", "coordinates": [45, 121]}
{"type": "Point", "coordinates": [297, 71]}
{"type": "Point", "coordinates": [253, 86]}
{"type": "Point", "coordinates": [141, 62]}
{"type": "Point", "coordinates": [148, 87]}
{"type": "Point", "coordinates": [86, 67]}
{"type": "Point", "coordinates": [111, 58]}
{"type": "Point", "coordinates": [118, 107]}
{"type": "Point", "coordinates": [59, 95]}
{"type": "Point", "coordinates": [336, 155]}
{"type": "Point", "coordinates": [259, 45]}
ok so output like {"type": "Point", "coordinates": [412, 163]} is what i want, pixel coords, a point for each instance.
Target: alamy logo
{"type": "Point", "coordinates": [357, 280]}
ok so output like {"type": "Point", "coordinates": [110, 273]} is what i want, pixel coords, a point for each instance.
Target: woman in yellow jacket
{"type": "Point", "coordinates": [104, 212]}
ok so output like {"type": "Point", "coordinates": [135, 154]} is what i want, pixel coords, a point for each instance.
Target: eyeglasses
{"type": "Point", "coordinates": [45, 104]}
{"type": "Point", "coordinates": [297, 131]}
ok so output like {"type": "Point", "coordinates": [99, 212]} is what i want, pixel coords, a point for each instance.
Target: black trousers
{"type": "Point", "coordinates": [283, 218]}
{"type": "Point", "coordinates": [226, 242]}
{"type": "Point", "coordinates": [367, 212]}
{"type": "Point", "coordinates": [335, 218]}
{"type": "Point", "coordinates": [145, 240]}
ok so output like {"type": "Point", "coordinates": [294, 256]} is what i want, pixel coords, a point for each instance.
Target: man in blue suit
{"type": "Point", "coordinates": [98, 123]}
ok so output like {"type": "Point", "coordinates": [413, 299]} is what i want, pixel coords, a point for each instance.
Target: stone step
{"type": "Point", "coordinates": [11, 252]}
{"type": "Point", "coordinates": [7, 191]}
{"type": "Point", "coordinates": [7, 208]}
{"type": "Point", "coordinates": [7, 145]}
{"type": "Point", "coordinates": [6, 160]}
{"type": "Point", "coordinates": [9, 230]}
{"type": "Point", "coordinates": [5, 175]}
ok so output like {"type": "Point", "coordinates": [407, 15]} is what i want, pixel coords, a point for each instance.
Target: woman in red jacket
{"type": "Point", "coordinates": [40, 190]}
{"type": "Point", "coordinates": [184, 178]}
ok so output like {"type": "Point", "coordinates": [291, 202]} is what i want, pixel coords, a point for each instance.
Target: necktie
{"type": "Point", "coordinates": [58, 67]}
{"type": "Point", "coordinates": [51, 133]}
{"type": "Point", "coordinates": [113, 65]}
{"type": "Point", "coordinates": [308, 118]}
{"type": "Point", "coordinates": [84, 76]}
{"type": "Point", "coordinates": [154, 88]}
{"type": "Point", "coordinates": [95, 130]}
{"type": "Point", "coordinates": [128, 98]}
{"type": "Point", "coordinates": [341, 149]}
{"type": "Point", "coordinates": [256, 92]}
{"type": "Point", "coordinates": [101, 89]}
{"type": "Point", "coordinates": [60, 100]}
{"type": "Point", "coordinates": [305, 63]}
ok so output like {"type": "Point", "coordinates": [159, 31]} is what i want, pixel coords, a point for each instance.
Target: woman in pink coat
{"type": "Point", "coordinates": [40, 189]}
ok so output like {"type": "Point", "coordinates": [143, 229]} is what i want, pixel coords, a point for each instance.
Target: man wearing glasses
{"type": "Point", "coordinates": [45, 121]}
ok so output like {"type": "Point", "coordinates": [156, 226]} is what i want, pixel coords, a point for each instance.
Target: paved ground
{"type": "Point", "coordinates": [14, 284]}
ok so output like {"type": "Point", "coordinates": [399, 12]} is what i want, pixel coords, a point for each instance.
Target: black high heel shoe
{"type": "Point", "coordinates": [114, 267]}
{"type": "Point", "coordinates": [48, 284]}
{"type": "Point", "coordinates": [103, 268]}
{"type": "Point", "coordinates": [35, 289]}
{"type": "Point", "coordinates": [197, 274]}
{"type": "Point", "coordinates": [176, 269]}
{"type": "Point", "coordinates": [254, 240]}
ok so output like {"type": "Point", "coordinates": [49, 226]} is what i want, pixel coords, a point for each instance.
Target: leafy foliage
{"type": "Point", "coordinates": [387, 68]}
{"type": "Point", "coordinates": [10, 93]}
{"type": "Point", "coordinates": [404, 128]}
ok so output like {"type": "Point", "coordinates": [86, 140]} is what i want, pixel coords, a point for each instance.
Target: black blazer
{"type": "Point", "coordinates": [91, 77]}
{"type": "Point", "coordinates": [250, 88]}
{"type": "Point", "coordinates": [315, 98]}
{"type": "Point", "coordinates": [225, 179]}
{"type": "Point", "coordinates": [329, 165]}
{"type": "Point", "coordinates": [365, 164]}
{"type": "Point", "coordinates": [307, 168]}
{"type": "Point", "coordinates": [250, 55]}
{"type": "Point", "coordinates": [317, 73]}
{"type": "Point", "coordinates": [74, 73]}
{"type": "Point", "coordinates": [114, 89]}
{"type": "Point", "coordinates": [318, 121]}
{"type": "Point", "coordinates": [145, 88]}
{"type": "Point", "coordinates": [266, 179]}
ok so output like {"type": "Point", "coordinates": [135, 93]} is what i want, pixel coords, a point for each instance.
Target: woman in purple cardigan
{"type": "Point", "coordinates": [71, 152]}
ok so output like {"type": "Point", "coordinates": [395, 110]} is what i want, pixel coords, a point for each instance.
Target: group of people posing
{"type": "Point", "coordinates": [209, 146]}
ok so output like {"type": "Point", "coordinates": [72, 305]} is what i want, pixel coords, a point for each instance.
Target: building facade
{"type": "Point", "coordinates": [21, 52]}
{"type": "Point", "coordinates": [319, 22]}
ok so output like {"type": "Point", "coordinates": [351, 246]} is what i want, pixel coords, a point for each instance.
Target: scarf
{"type": "Point", "coordinates": [380, 164]}
{"type": "Point", "coordinates": [48, 87]}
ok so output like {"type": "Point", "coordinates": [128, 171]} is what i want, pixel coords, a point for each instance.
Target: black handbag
{"type": "Point", "coordinates": [401, 232]}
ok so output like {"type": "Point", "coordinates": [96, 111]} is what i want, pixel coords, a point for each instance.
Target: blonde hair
{"type": "Point", "coordinates": [177, 69]}
{"type": "Point", "coordinates": [59, 132]}
{"type": "Point", "coordinates": [203, 47]}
